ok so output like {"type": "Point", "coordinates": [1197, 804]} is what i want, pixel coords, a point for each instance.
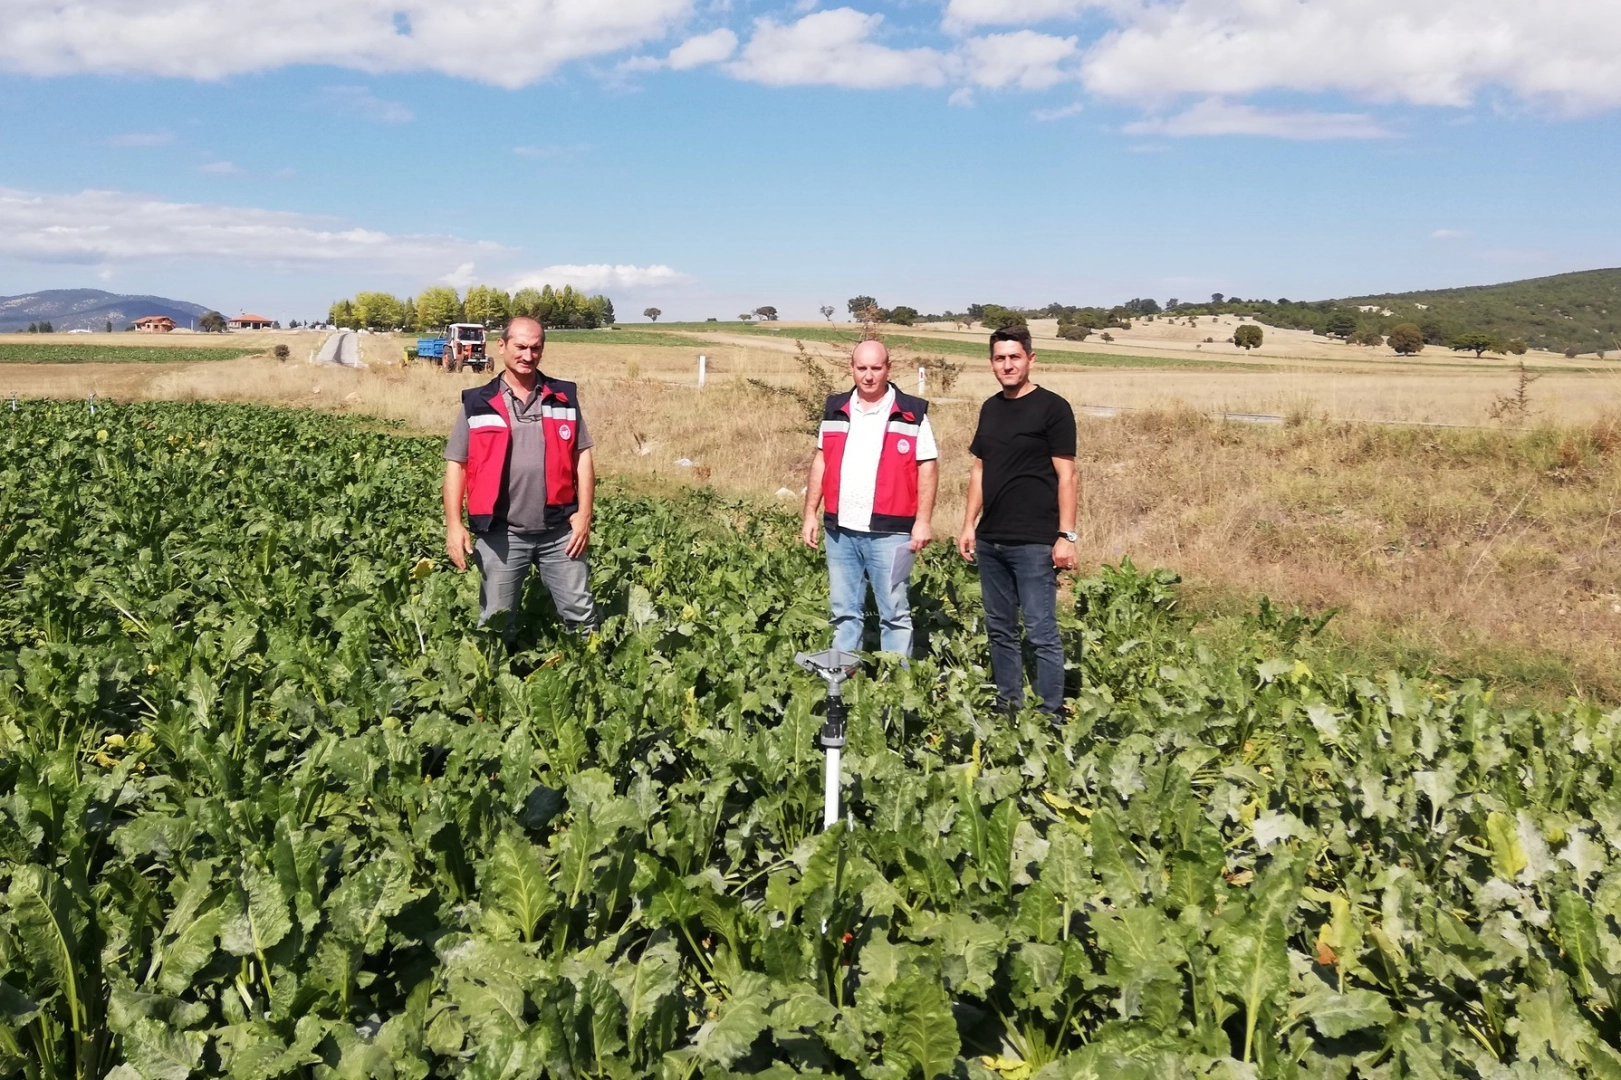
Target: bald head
{"type": "Point", "coordinates": [869, 367]}
{"type": "Point", "coordinates": [873, 350]}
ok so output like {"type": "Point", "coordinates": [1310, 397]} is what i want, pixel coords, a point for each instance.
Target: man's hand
{"type": "Point", "coordinates": [1064, 554]}
{"type": "Point", "coordinates": [809, 531]}
{"type": "Point", "coordinates": [579, 523]}
{"type": "Point", "coordinates": [922, 533]}
{"type": "Point", "coordinates": [458, 544]}
{"type": "Point", "coordinates": [966, 544]}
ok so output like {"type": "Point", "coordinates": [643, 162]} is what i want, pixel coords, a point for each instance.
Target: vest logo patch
{"type": "Point", "coordinates": [564, 432]}
{"type": "Point", "coordinates": [903, 446]}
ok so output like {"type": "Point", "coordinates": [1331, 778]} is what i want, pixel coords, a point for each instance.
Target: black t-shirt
{"type": "Point", "coordinates": [1016, 441]}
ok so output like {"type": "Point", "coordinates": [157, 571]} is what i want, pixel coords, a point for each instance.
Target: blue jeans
{"type": "Point", "coordinates": [1015, 579]}
{"type": "Point", "coordinates": [853, 559]}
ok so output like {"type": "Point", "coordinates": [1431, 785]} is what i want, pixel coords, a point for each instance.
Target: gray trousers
{"type": "Point", "coordinates": [504, 559]}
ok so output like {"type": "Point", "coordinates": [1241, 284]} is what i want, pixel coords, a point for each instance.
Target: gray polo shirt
{"type": "Point", "coordinates": [521, 506]}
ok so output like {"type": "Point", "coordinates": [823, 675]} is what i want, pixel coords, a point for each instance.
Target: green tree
{"type": "Point", "coordinates": [827, 312]}
{"type": "Point", "coordinates": [487, 306]}
{"type": "Point", "coordinates": [1406, 339]}
{"type": "Point", "coordinates": [903, 315]}
{"type": "Point", "coordinates": [1074, 331]}
{"type": "Point", "coordinates": [767, 312]}
{"type": "Point", "coordinates": [1342, 324]}
{"type": "Point", "coordinates": [1476, 341]}
{"type": "Point", "coordinates": [408, 315]}
{"type": "Point", "coordinates": [214, 323]}
{"type": "Point", "coordinates": [33, 328]}
{"type": "Point", "coordinates": [859, 305]}
{"type": "Point", "coordinates": [526, 303]}
{"type": "Point", "coordinates": [998, 317]}
{"type": "Point", "coordinates": [1247, 336]}
{"type": "Point", "coordinates": [437, 307]}
{"type": "Point", "coordinates": [1515, 346]}
{"type": "Point", "coordinates": [109, 327]}
{"type": "Point", "coordinates": [378, 310]}
{"type": "Point", "coordinates": [651, 314]}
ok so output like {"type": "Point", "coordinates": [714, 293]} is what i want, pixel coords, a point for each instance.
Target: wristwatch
{"type": "Point", "coordinates": [1070, 536]}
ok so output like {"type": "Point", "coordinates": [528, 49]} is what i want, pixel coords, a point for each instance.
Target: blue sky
{"type": "Point", "coordinates": [710, 158]}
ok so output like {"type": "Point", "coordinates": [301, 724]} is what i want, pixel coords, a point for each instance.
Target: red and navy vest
{"type": "Point", "coordinates": [489, 437]}
{"type": "Point", "coordinates": [894, 502]}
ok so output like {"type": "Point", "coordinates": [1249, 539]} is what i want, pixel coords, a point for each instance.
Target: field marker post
{"type": "Point", "coordinates": [921, 377]}
{"type": "Point", "coordinates": [703, 369]}
{"type": "Point", "coordinates": [91, 401]}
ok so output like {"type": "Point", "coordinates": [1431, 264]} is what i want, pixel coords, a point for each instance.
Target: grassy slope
{"type": "Point", "coordinates": [64, 353]}
{"type": "Point", "coordinates": [1581, 309]}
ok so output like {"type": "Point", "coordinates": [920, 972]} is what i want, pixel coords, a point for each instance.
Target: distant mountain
{"type": "Point", "coordinates": [1581, 309]}
{"type": "Point", "coordinates": [90, 309]}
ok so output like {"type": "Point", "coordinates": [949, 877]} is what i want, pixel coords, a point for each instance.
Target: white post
{"type": "Point", "coordinates": [703, 366]}
{"type": "Point", "coordinates": [921, 378]}
{"type": "Point", "coordinates": [830, 811]}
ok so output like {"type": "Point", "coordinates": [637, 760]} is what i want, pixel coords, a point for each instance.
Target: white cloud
{"type": "Point", "coordinates": [832, 48]}
{"type": "Point", "coordinates": [962, 97]}
{"type": "Point", "coordinates": [966, 14]}
{"type": "Point", "coordinates": [360, 103]}
{"type": "Point", "coordinates": [1060, 113]}
{"type": "Point", "coordinates": [1023, 58]}
{"type": "Point", "coordinates": [94, 227]}
{"type": "Point", "coordinates": [710, 48]}
{"type": "Point", "coordinates": [142, 139]}
{"type": "Point", "coordinates": [1441, 52]}
{"type": "Point", "coordinates": [461, 278]}
{"type": "Point", "coordinates": [508, 43]}
{"type": "Point", "coordinates": [1216, 117]}
{"type": "Point", "coordinates": [219, 168]}
{"type": "Point", "coordinates": [601, 276]}
{"type": "Point", "coordinates": [1448, 234]}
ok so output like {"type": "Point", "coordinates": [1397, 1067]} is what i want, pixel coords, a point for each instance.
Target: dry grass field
{"type": "Point", "coordinates": [1487, 550]}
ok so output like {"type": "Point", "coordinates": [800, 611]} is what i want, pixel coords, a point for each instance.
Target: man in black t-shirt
{"type": "Point", "coordinates": [1023, 480]}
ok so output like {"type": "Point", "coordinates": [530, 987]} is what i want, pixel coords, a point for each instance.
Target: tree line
{"type": "Point", "coordinates": [437, 307]}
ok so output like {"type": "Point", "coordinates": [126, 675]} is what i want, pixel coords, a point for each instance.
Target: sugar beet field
{"type": "Point", "coordinates": [271, 806]}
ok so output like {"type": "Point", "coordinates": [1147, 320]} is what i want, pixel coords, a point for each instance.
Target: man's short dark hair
{"type": "Point", "coordinates": [1019, 333]}
{"type": "Point", "coordinates": [507, 329]}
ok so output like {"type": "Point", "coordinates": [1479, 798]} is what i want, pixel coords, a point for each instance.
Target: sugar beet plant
{"type": "Point", "coordinates": [271, 806]}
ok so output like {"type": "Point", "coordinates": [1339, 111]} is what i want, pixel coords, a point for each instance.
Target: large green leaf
{"type": "Point", "coordinates": [920, 1028]}
{"type": "Point", "coordinates": [728, 1037]}
{"type": "Point", "coordinates": [516, 889]}
{"type": "Point", "coordinates": [1334, 1014]}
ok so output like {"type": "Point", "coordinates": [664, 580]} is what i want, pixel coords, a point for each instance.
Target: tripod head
{"type": "Point", "coordinates": [833, 666]}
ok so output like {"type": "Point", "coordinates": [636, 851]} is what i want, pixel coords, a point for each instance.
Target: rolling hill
{"type": "Point", "coordinates": [1580, 310]}
{"type": "Point", "coordinates": [89, 309]}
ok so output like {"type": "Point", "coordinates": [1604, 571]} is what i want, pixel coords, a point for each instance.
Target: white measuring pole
{"type": "Point", "coordinates": [703, 370]}
{"type": "Point", "coordinates": [830, 792]}
{"type": "Point", "coordinates": [921, 378]}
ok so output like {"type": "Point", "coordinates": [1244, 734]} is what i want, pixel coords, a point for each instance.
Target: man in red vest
{"type": "Point", "coordinates": [874, 474]}
{"type": "Point", "coordinates": [519, 458]}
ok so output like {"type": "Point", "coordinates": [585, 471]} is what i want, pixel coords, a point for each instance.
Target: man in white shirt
{"type": "Point", "coordinates": [874, 476]}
